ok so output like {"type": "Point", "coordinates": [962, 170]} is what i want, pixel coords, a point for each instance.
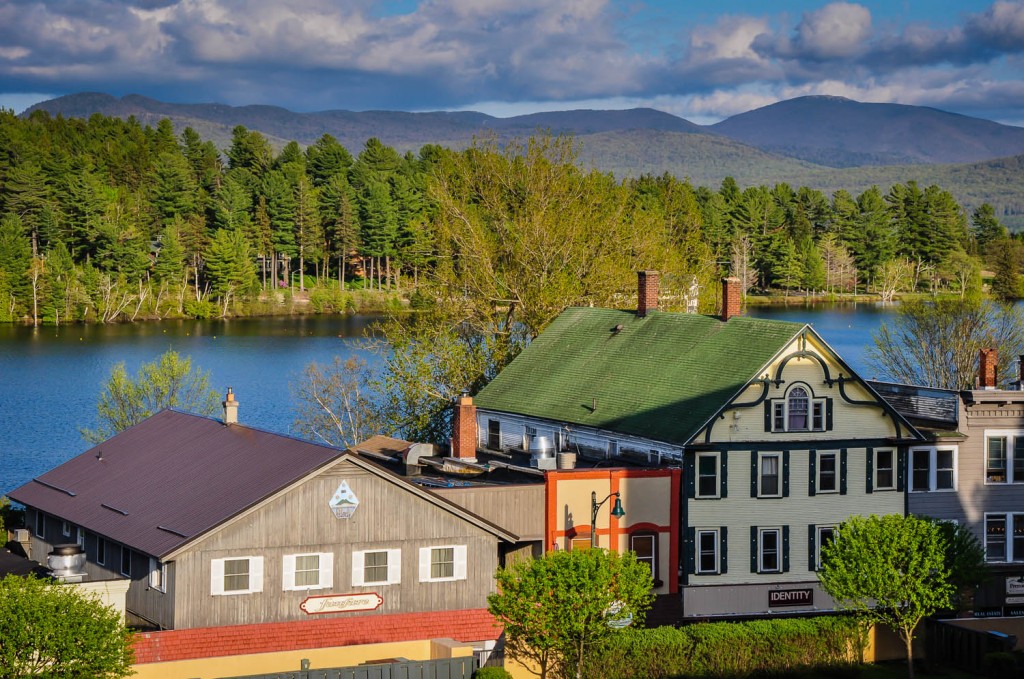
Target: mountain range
{"type": "Point", "coordinates": [819, 141]}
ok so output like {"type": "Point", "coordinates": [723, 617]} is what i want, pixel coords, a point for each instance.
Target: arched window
{"type": "Point", "coordinates": [797, 407]}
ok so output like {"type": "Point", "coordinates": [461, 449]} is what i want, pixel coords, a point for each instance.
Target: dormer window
{"type": "Point", "coordinates": [799, 410]}
{"type": "Point", "coordinates": [797, 405]}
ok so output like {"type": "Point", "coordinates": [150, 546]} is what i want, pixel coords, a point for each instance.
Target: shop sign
{"type": "Point", "coordinates": [341, 603]}
{"type": "Point", "coordinates": [344, 503]}
{"type": "Point", "coordinates": [1015, 611]}
{"type": "Point", "coordinates": [1015, 585]}
{"type": "Point", "coordinates": [780, 598]}
{"type": "Point", "coordinates": [1015, 599]}
{"type": "Point", "coordinates": [989, 612]}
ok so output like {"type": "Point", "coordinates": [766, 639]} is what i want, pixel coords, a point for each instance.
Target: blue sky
{"type": "Point", "coordinates": [702, 60]}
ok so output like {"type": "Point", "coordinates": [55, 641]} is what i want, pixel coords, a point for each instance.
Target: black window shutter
{"type": "Point", "coordinates": [691, 551]}
{"type": "Point", "coordinates": [828, 414]}
{"type": "Point", "coordinates": [723, 470]}
{"type": "Point", "coordinates": [812, 547]}
{"type": "Point", "coordinates": [690, 474]}
{"type": "Point", "coordinates": [870, 487]}
{"type": "Point", "coordinates": [901, 471]}
{"type": "Point", "coordinates": [812, 473]}
{"type": "Point", "coordinates": [842, 471]}
{"type": "Point", "coordinates": [723, 550]}
{"type": "Point", "coordinates": [753, 549]}
{"type": "Point", "coordinates": [785, 473]}
{"type": "Point", "coordinates": [753, 473]}
{"type": "Point", "coordinates": [768, 415]}
{"type": "Point", "coordinates": [785, 549]}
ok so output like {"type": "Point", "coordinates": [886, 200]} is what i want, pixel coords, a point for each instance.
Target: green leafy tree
{"type": "Point", "coordinates": [965, 561]}
{"type": "Point", "coordinates": [558, 608]}
{"type": "Point", "coordinates": [1006, 256]}
{"type": "Point", "coordinates": [890, 570]}
{"type": "Point", "coordinates": [168, 382]}
{"type": "Point", "coordinates": [936, 344]}
{"type": "Point", "coordinates": [986, 227]}
{"type": "Point", "coordinates": [230, 268]}
{"type": "Point", "coordinates": [53, 630]}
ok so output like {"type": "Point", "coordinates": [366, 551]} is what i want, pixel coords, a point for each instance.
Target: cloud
{"type": "Point", "coordinates": [840, 30]}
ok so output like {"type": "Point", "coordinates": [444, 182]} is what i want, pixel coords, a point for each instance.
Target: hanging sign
{"type": "Point", "coordinates": [1015, 586]}
{"type": "Point", "coordinates": [341, 603]}
{"type": "Point", "coordinates": [344, 503]}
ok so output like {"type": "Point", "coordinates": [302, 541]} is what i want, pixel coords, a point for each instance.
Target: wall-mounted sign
{"type": "Point", "coordinates": [779, 598]}
{"type": "Point", "coordinates": [344, 503]}
{"type": "Point", "coordinates": [341, 603]}
{"type": "Point", "coordinates": [1015, 585]}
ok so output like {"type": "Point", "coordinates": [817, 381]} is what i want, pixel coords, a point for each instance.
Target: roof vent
{"type": "Point", "coordinates": [67, 562]}
{"type": "Point", "coordinates": [542, 453]}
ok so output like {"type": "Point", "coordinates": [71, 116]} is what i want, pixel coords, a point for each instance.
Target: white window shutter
{"type": "Point", "coordinates": [460, 562]}
{"type": "Point", "coordinates": [217, 576]}
{"type": "Point", "coordinates": [424, 564]}
{"type": "Point", "coordinates": [357, 569]}
{"type": "Point", "coordinates": [288, 572]}
{"type": "Point", "coordinates": [256, 574]}
{"type": "Point", "coordinates": [327, 570]}
{"type": "Point", "coordinates": [394, 566]}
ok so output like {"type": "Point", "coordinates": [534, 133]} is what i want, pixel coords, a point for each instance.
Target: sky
{"type": "Point", "coordinates": [702, 60]}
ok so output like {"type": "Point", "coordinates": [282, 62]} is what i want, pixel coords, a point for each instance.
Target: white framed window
{"type": "Point", "coordinates": [1004, 537]}
{"type": "Point", "coordinates": [707, 552]}
{"type": "Point", "coordinates": [828, 472]}
{"type": "Point", "coordinates": [236, 575]}
{"type": "Point", "coordinates": [40, 524]}
{"type": "Point", "coordinates": [126, 562]}
{"type": "Point", "coordinates": [376, 567]}
{"type": "Point", "coordinates": [933, 468]}
{"type": "Point", "coordinates": [885, 469]}
{"type": "Point", "coordinates": [707, 466]}
{"type": "Point", "coordinates": [157, 575]}
{"type": "Point", "coordinates": [101, 551]}
{"type": "Point", "coordinates": [823, 536]}
{"type": "Point", "coordinates": [798, 411]}
{"type": "Point", "coordinates": [769, 475]}
{"type": "Point", "coordinates": [442, 564]}
{"type": "Point", "coordinates": [645, 546]}
{"type": "Point", "coordinates": [307, 571]}
{"type": "Point", "coordinates": [1004, 464]}
{"type": "Point", "coordinates": [769, 550]}
{"type": "Point", "coordinates": [80, 537]}
{"type": "Point", "coordinates": [65, 529]}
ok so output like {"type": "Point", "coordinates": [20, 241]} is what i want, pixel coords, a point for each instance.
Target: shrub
{"type": "Point", "coordinates": [200, 309]}
{"type": "Point", "coordinates": [492, 673]}
{"type": "Point", "coordinates": [1000, 664]}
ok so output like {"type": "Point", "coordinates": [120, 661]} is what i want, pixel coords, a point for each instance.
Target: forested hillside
{"type": "Point", "coordinates": [109, 220]}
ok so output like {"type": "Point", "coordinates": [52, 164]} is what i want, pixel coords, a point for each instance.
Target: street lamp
{"type": "Point", "coordinates": [617, 511]}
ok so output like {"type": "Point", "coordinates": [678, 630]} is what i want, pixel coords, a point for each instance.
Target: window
{"type": "Point", "coordinates": [932, 469]}
{"type": "Point", "coordinates": [999, 546]}
{"type": "Point", "coordinates": [65, 529]}
{"type": "Point", "coordinates": [101, 550]}
{"type": "Point", "coordinates": [769, 550]}
{"type": "Point", "coordinates": [707, 551]}
{"type": "Point", "coordinates": [439, 564]}
{"type": "Point", "coordinates": [157, 575]}
{"type": "Point", "coordinates": [529, 434]}
{"type": "Point", "coordinates": [494, 434]}
{"type": "Point", "coordinates": [307, 571]}
{"type": "Point", "coordinates": [40, 524]}
{"type": "Point", "coordinates": [377, 567]}
{"type": "Point", "coordinates": [80, 537]}
{"type": "Point", "coordinates": [707, 475]}
{"type": "Point", "coordinates": [126, 562]}
{"type": "Point", "coordinates": [798, 411]}
{"type": "Point", "coordinates": [238, 575]}
{"type": "Point", "coordinates": [825, 535]}
{"type": "Point", "coordinates": [817, 416]}
{"type": "Point", "coordinates": [797, 405]}
{"type": "Point", "coordinates": [769, 475]}
{"type": "Point", "coordinates": [827, 473]}
{"type": "Point", "coordinates": [885, 465]}
{"type": "Point", "coordinates": [1003, 464]}
{"type": "Point", "coordinates": [778, 416]}
{"type": "Point", "coordinates": [645, 546]}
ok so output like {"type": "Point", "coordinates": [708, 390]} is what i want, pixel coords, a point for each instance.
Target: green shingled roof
{"type": "Point", "coordinates": [660, 377]}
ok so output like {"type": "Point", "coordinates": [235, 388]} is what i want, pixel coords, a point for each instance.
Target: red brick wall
{"type": "Point", "coordinates": [210, 642]}
{"type": "Point", "coordinates": [464, 429]}
{"type": "Point", "coordinates": [987, 362]}
{"type": "Point", "coordinates": [647, 292]}
{"type": "Point", "coordinates": [731, 298]}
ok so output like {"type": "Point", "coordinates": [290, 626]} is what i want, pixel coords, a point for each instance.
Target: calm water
{"type": "Point", "coordinates": [50, 378]}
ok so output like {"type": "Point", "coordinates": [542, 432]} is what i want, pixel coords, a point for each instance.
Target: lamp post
{"type": "Point", "coordinates": [617, 511]}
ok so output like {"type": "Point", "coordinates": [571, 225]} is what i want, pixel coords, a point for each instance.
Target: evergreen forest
{"type": "Point", "coordinates": [108, 220]}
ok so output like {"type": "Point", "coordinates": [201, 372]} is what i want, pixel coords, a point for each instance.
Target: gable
{"type": "Point", "coordinates": [659, 377]}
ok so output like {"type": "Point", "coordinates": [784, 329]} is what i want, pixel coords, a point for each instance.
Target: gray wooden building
{"type": "Point", "coordinates": [222, 524]}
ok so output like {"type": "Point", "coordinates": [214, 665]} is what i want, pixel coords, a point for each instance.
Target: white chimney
{"type": "Point", "coordinates": [230, 408]}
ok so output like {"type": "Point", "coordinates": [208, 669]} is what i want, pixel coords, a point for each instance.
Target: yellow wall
{"type": "Point", "coordinates": [319, 658]}
{"type": "Point", "coordinates": [646, 500]}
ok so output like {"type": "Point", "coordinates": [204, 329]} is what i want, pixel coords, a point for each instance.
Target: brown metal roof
{"type": "Point", "coordinates": [170, 478]}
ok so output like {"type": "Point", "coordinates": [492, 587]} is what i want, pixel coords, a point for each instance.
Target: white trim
{"type": "Point", "coordinates": [893, 469]}
{"type": "Point", "coordinates": [101, 542]}
{"type": "Point", "coordinates": [40, 527]}
{"type": "Point", "coordinates": [780, 409]}
{"type": "Point", "coordinates": [761, 532]}
{"type": "Point", "coordinates": [781, 473]}
{"type": "Point", "coordinates": [125, 551]}
{"type": "Point", "coordinates": [157, 574]}
{"type": "Point", "coordinates": [325, 571]}
{"type": "Point", "coordinates": [718, 475]}
{"type": "Point", "coordinates": [818, 542]}
{"type": "Point", "coordinates": [65, 529]}
{"type": "Point", "coordinates": [933, 452]}
{"type": "Point", "coordinates": [394, 568]}
{"type": "Point", "coordinates": [80, 537]}
{"type": "Point", "coordinates": [255, 575]}
{"type": "Point", "coordinates": [836, 472]}
{"type": "Point", "coordinates": [1011, 436]}
{"type": "Point", "coordinates": [718, 557]}
{"type": "Point", "coordinates": [1007, 518]}
{"type": "Point", "coordinates": [459, 566]}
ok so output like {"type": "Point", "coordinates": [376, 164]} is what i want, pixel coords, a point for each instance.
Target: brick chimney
{"type": "Point", "coordinates": [464, 429]}
{"type": "Point", "coordinates": [647, 292]}
{"type": "Point", "coordinates": [230, 408]}
{"type": "Point", "coordinates": [732, 298]}
{"type": "Point", "coordinates": [988, 359]}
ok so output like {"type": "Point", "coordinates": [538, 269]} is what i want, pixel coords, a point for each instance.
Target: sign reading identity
{"type": "Point", "coordinates": [341, 603]}
{"type": "Point", "coordinates": [780, 598]}
{"type": "Point", "coordinates": [344, 503]}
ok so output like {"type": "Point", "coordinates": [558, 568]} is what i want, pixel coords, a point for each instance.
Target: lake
{"type": "Point", "coordinates": [50, 378]}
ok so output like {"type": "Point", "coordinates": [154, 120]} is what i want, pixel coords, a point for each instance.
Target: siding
{"type": "Point", "coordinates": [517, 509]}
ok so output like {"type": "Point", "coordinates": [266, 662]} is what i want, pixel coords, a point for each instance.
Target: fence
{"type": "Point", "coordinates": [953, 646]}
{"type": "Point", "coordinates": [447, 668]}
